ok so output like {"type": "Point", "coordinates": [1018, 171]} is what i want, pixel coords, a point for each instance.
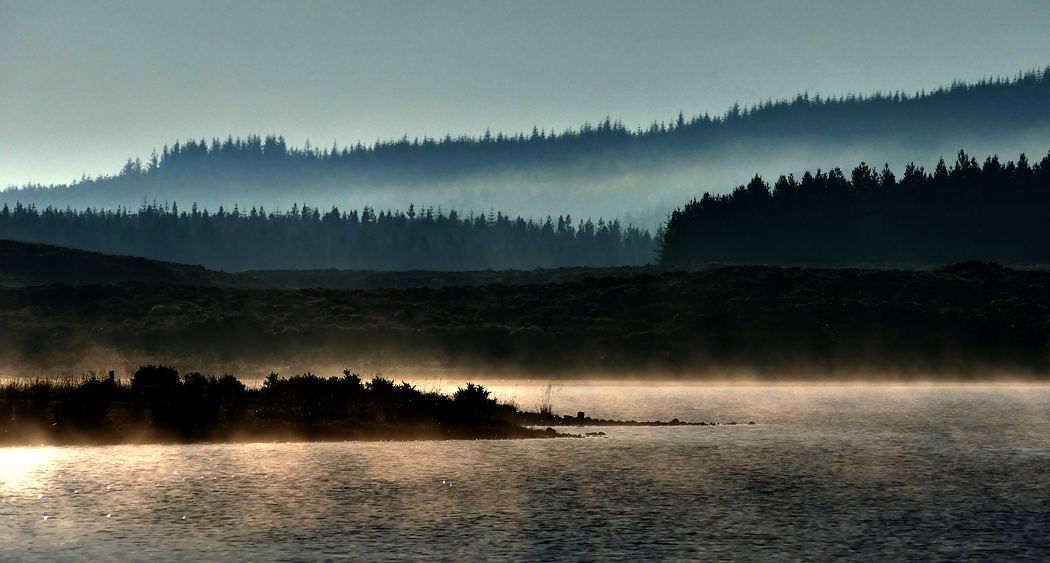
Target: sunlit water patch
{"type": "Point", "coordinates": [828, 473]}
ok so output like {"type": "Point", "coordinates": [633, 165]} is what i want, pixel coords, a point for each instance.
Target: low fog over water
{"type": "Point", "coordinates": [845, 473]}
{"type": "Point", "coordinates": [847, 364]}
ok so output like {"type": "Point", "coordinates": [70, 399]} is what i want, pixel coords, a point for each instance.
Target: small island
{"type": "Point", "coordinates": [159, 405]}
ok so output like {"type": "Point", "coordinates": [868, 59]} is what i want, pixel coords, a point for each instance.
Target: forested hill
{"type": "Point", "coordinates": [310, 238]}
{"type": "Point", "coordinates": [990, 211]}
{"type": "Point", "coordinates": [994, 108]}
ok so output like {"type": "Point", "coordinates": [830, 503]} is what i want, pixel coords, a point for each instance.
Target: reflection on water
{"type": "Point", "coordinates": [862, 473]}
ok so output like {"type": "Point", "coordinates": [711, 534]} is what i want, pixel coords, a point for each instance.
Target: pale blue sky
{"type": "Point", "coordinates": [84, 85]}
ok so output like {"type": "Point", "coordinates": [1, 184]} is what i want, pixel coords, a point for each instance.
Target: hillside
{"type": "Point", "coordinates": [969, 320]}
{"type": "Point", "coordinates": [987, 108]}
{"type": "Point", "coordinates": [604, 169]}
{"type": "Point", "coordinates": [27, 264]}
{"type": "Point", "coordinates": [372, 279]}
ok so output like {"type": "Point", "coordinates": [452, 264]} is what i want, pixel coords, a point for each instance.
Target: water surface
{"type": "Point", "coordinates": [849, 473]}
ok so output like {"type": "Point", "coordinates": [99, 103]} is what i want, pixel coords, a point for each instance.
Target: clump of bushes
{"type": "Point", "coordinates": [62, 403]}
{"type": "Point", "coordinates": [312, 398]}
{"type": "Point", "coordinates": [194, 405]}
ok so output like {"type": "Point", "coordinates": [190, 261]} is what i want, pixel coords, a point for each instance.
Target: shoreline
{"type": "Point", "coordinates": [160, 405]}
{"type": "Point", "coordinates": [525, 427]}
{"type": "Point", "coordinates": [32, 437]}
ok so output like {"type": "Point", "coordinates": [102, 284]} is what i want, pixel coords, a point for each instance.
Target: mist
{"type": "Point", "coordinates": [638, 192]}
{"type": "Point", "coordinates": [597, 171]}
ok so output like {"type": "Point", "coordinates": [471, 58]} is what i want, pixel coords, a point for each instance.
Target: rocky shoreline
{"type": "Point", "coordinates": [552, 420]}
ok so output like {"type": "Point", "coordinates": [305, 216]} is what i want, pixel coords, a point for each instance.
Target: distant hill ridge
{"type": "Point", "coordinates": [989, 107]}
{"type": "Point", "coordinates": [24, 264]}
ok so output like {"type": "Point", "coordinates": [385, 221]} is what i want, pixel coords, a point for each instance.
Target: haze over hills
{"type": "Point", "coordinates": [792, 257]}
{"type": "Point", "coordinates": [602, 170]}
{"type": "Point", "coordinates": [992, 210]}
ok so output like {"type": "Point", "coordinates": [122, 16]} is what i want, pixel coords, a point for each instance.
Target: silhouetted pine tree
{"type": "Point", "coordinates": [991, 212]}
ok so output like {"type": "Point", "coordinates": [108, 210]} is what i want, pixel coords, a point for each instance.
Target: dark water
{"type": "Point", "coordinates": [846, 473]}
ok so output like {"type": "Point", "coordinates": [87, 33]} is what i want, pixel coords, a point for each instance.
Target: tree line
{"type": "Point", "coordinates": [987, 107]}
{"type": "Point", "coordinates": [310, 238]}
{"type": "Point", "coordinates": [990, 211]}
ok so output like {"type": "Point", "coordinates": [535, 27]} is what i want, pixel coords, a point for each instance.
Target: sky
{"type": "Point", "coordinates": [85, 85]}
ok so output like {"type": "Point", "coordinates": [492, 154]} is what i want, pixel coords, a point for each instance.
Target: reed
{"type": "Point", "coordinates": [547, 399]}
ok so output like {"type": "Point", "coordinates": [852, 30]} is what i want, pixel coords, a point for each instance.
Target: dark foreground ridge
{"type": "Point", "coordinates": [25, 264]}
{"type": "Point", "coordinates": [158, 404]}
{"type": "Point", "coordinates": [967, 320]}
{"type": "Point", "coordinates": [374, 279]}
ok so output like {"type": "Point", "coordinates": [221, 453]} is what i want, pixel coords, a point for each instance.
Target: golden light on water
{"type": "Point", "coordinates": [815, 453]}
{"type": "Point", "coordinates": [21, 459]}
{"type": "Point", "coordinates": [19, 466]}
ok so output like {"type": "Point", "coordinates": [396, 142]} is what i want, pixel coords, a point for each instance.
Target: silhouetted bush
{"type": "Point", "coordinates": [160, 390]}
{"type": "Point", "coordinates": [207, 401]}
{"type": "Point", "coordinates": [155, 382]}
{"type": "Point", "coordinates": [85, 405]}
{"type": "Point", "coordinates": [312, 398]}
{"type": "Point", "coordinates": [309, 397]}
{"type": "Point", "coordinates": [473, 403]}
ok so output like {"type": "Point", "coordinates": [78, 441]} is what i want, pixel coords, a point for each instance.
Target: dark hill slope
{"type": "Point", "coordinates": [27, 264]}
{"type": "Point", "coordinates": [969, 319]}
{"type": "Point", "coordinates": [374, 279]}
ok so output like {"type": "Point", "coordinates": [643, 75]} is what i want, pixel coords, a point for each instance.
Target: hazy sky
{"type": "Point", "coordinates": [84, 85]}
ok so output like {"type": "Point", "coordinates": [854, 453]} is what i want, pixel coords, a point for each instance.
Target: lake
{"type": "Point", "coordinates": [828, 473]}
